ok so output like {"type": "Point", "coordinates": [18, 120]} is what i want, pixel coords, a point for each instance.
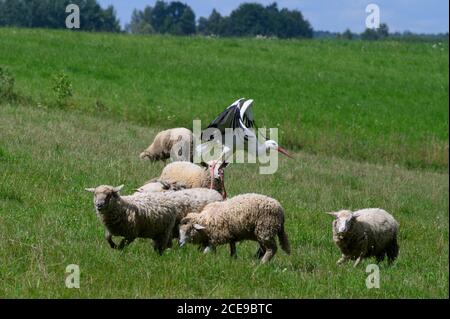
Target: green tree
{"type": "Point", "coordinates": [248, 19]}
{"type": "Point", "coordinates": [370, 35]}
{"type": "Point", "coordinates": [52, 14]}
{"type": "Point", "coordinates": [347, 34]}
{"type": "Point", "coordinates": [141, 22]}
{"type": "Point", "coordinates": [383, 31]}
{"type": "Point", "coordinates": [158, 16]}
{"type": "Point", "coordinates": [294, 25]}
{"type": "Point", "coordinates": [187, 21]}
{"type": "Point", "coordinates": [201, 27]}
{"type": "Point", "coordinates": [251, 19]}
{"type": "Point", "coordinates": [215, 24]}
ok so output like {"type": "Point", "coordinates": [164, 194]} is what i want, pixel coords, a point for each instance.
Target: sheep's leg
{"type": "Point", "coordinates": [209, 248]}
{"type": "Point", "coordinates": [158, 246]}
{"type": "Point", "coordinates": [380, 257]}
{"type": "Point", "coordinates": [108, 238]}
{"type": "Point", "coordinates": [343, 259]}
{"type": "Point", "coordinates": [358, 260]}
{"type": "Point", "coordinates": [364, 250]}
{"type": "Point", "coordinates": [392, 251]}
{"type": "Point", "coordinates": [233, 249]}
{"type": "Point", "coordinates": [124, 243]}
{"type": "Point", "coordinates": [271, 249]}
{"type": "Point", "coordinates": [260, 252]}
{"type": "Point", "coordinates": [161, 242]}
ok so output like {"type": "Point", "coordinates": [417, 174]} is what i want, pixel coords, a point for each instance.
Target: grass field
{"type": "Point", "coordinates": [368, 123]}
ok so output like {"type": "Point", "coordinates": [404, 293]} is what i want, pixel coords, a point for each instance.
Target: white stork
{"type": "Point", "coordinates": [238, 115]}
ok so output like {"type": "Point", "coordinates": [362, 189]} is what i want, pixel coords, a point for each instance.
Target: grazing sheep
{"type": "Point", "coordinates": [153, 215]}
{"type": "Point", "coordinates": [365, 233]}
{"type": "Point", "coordinates": [159, 186]}
{"type": "Point", "coordinates": [176, 142]}
{"type": "Point", "coordinates": [194, 176]}
{"type": "Point", "coordinates": [243, 217]}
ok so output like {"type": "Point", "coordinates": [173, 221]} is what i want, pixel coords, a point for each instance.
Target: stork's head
{"type": "Point", "coordinates": [271, 144]}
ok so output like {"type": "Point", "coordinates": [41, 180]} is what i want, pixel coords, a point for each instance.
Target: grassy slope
{"type": "Point", "coordinates": [47, 220]}
{"type": "Point", "coordinates": [379, 102]}
{"type": "Point", "coordinates": [47, 157]}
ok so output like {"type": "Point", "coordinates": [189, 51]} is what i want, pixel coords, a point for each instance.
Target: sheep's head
{"type": "Point", "coordinates": [343, 222]}
{"type": "Point", "coordinates": [147, 155]}
{"type": "Point", "coordinates": [155, 186]}
{"type": "Point", "coordinates": [105, 196]}
{"type": "Point", "coordinates": [191, 232]}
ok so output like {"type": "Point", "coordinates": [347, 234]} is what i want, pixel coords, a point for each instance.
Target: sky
{"type": "Point", "coordinates": [420, 16]}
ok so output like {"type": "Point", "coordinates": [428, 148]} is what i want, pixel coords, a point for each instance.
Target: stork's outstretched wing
{"type": "Point", "coordinates": [229, 118]}
{"type": "Point", "coordinates": [246, 114]}
{"type": "Point", "coordinates": [247, 117]}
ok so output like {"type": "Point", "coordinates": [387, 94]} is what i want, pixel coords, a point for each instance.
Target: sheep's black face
{"type": "Point", "coordinates": [105, 196]}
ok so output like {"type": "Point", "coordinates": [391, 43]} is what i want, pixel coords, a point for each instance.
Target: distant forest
{"type": "Point", "coordinates": [177, 18]}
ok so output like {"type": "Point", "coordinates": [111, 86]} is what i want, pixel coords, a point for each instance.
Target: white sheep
{"type": "Point", "coordinates": [134, 216]}
{"type": "Point", "coordinates": [173, 143]}
{"type": "Point", "coordinates": [191, 175]}
{"type": "Point", "coordinates": [156, 185]}
{"type": "Point", "coordinates": [243, 217]}
{"type": "Point", "coordinates": [153, 215]}
{"type": "Point", "coordinates": [365, 233]}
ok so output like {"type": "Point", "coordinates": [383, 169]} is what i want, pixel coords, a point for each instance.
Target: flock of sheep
{"type": "Point", "coordinates": [185, 202]}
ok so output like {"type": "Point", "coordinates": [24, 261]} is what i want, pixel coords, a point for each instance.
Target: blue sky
{"type": "Point", "coordinates": [421, 16]}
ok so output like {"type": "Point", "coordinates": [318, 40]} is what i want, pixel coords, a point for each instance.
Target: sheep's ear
{"type": "Point", "coordinates": [334, 214]}
{"type": "Point", "coordinates": [118, 188]}
{"type": "Point", "coordinates": [223, 165]}
{"type": "Point", "coordinates": [165, 185]}
{"type": "Point", "coordinates": [92, 190]}
{"type": "Point", "coordinates": [199, 227]}
{"type": "Point", "coordinates": [354, 215]}
{"type": "Point", "coordinates": [204, 164]}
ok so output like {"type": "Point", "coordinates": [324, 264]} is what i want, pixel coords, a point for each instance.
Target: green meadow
{"type": "Point", "coordinates": [367, 123]}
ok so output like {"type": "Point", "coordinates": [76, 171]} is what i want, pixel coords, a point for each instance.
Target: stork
{"type": "Point", "coordinates": [238, 115]}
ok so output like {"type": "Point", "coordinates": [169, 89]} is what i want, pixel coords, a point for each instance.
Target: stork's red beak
{"type": "Point", "coordinates": [284, 152]}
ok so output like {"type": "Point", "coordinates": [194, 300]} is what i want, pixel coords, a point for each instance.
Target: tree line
{"type": "Point", "coordinates": [177, 18]}
{"type": "Point", "coordinates": [52, 14]}
{"type": "Point", "coordinates": [249, 19]}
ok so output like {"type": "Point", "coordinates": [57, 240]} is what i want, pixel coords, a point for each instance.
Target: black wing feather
{"type": "Point", "coordinates": [229, 118]}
